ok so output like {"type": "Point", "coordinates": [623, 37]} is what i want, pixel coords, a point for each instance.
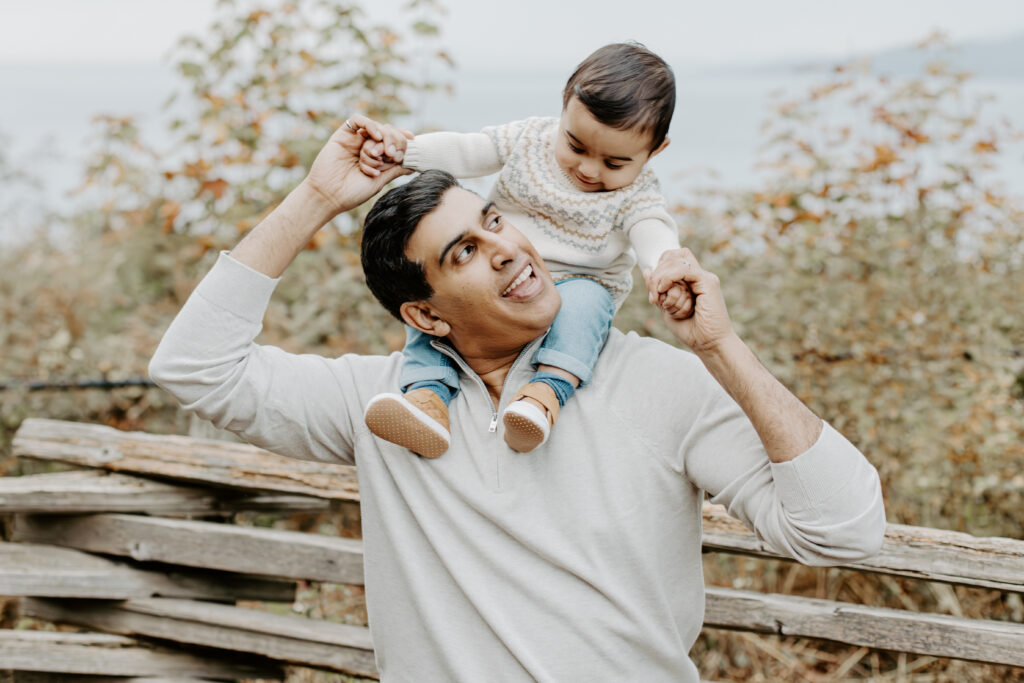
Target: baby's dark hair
{"type": "Point", "coordinates": [625, 86]}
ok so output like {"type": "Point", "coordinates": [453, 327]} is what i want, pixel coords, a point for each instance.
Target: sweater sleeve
{"type": "Point", "coordinates": [823, 507]}
{"type": "Point", "coordinates": [651, 238]}
{"type": "Point", "coordinates": [464, 155]}
{"type": "Point", "coordinates": [294, 405]}
{"type": "Point", "coordinates": [647, 222]}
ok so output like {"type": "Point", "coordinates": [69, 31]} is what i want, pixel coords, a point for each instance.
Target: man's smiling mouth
{"type": "Point", "coordinates": [520, 279]}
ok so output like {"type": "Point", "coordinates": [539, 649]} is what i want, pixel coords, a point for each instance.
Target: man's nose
{"type": "Point", "coordinates": [502, 250]}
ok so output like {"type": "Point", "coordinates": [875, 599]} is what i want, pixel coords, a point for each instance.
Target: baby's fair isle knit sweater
{"type": "Point", "coordinates": [577, 233]}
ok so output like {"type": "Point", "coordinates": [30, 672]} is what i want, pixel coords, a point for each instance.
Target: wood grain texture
{"type": "Point", "coordinates": [319, 644]}
{"type": "Point", "coordinates": [100, 491]}
{"type": "Point", "coordinates": [48, 571]}
{"type": "Point", "coordinates": [40, 677]}
{"type": "Point", "coordinates": [909, 551]}
{"type": "Point", "coordinates": [219, 463]}
{"type": "Point", "coordinates": [889, 629]}
{"type": "Point", "coordinates": [225, 547]}
{"type": "Point", "coordinates": [112, 655]}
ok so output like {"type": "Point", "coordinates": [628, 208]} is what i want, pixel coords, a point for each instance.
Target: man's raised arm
{"type": "Point", "coordinates": [299, 405]}
{"type": "Point", "coordinates": [815, 497]}
{"type": "Point", "coordinates": [786, 426]}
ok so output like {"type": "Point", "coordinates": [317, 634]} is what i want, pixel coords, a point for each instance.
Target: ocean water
{"type": "Point", "coordinates": [46, 112]}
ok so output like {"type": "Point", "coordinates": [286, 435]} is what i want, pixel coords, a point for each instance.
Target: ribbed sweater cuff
{"type": "Point", "coordinates": [237, 288]}
{"type": "Point", "coordinates": [413, 158]}
{"type": "Point", "coordinates": [829, 466]}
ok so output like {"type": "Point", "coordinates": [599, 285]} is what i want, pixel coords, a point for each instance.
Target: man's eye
{"type": "Point", "coordinates": [495, 222]}
{"type": "Point", "coordinates": [464, 253]}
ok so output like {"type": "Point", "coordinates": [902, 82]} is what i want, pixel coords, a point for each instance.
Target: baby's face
{"type": "Point", "coordinates": [596, 157]}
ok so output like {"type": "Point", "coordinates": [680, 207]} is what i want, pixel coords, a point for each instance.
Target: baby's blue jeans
{"type": "Point", "coordinates": [575, 340]}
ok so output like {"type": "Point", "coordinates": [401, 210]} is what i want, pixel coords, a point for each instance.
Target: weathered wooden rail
{"type": "Point", "coordinates": [107, 549]}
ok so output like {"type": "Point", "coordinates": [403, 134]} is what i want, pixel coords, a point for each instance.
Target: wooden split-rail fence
{"type": "Point", "coordinates": [114, 549]}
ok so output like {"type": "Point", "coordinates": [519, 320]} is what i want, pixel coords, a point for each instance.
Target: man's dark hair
{"type": "Point", "coordinates": [392, 277]}
{"type": "Point", "coordinates": [625, 85]}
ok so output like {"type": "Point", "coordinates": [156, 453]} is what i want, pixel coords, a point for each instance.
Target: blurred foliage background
{"type": "Point", "coordinates": [874, 270]}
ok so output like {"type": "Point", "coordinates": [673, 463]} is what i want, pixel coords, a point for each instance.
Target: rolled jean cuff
{"type": "Point", "coordinates": [437, 373]}
{"type": "Point", "coordinates": [564, 362]}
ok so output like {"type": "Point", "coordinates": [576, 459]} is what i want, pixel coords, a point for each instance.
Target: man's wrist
{"type": "Point", "coordinates": [316, 204]}
{"type": "Point", "coordinates": [722, 351]}
{"type": "Point", "coordinates": [732, 363]}
{"type": "Point", "coordinates": [271, 246]}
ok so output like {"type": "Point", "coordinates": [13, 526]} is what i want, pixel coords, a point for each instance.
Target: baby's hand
{"type": "Point", "coordinates": [668, 288]}
{"type": "Point", "coordinates": [677, 301]}
{"type": "Point", "coordinates": [376, 156]}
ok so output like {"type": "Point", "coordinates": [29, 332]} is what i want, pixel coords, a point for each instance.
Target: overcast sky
{"type": "Point", "coordinates": [484, 35]}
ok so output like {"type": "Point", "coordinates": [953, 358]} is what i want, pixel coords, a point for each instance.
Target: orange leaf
{"type": "Point", "coordinates": [205, 243]}
{"type": "Point", "coordinates": [168, 212]}
{"type": "Point", "coordinates": [197, 169]}
{"type": "Point", "coordinates": [884, 155]}
{"type": "Point", "coordinates": [984, 147]}
{"type": "Point", "coordinates": [215, 187]}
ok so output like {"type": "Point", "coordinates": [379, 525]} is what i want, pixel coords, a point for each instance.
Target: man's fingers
{"type": "Point", "coordinates": [364, 123]}
{"type": "Point", "coordinates": [676, 266]}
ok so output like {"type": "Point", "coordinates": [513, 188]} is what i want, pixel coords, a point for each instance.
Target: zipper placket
{"type": "Point", "coordinates": [448, 351]}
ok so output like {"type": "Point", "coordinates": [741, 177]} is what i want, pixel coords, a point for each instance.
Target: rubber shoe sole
{"type": "Point", "coordinates": [526, 426]}
{"type": "Point", "coordinates": [394, 419]}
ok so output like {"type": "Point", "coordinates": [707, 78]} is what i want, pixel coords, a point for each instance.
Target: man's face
{"type": "Point", "coordinates": [490, 285]}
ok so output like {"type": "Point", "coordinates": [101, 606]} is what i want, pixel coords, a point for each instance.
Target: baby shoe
{"type": "Point", "coordinates": [526, 425]}
{"type": "Point", "coordinates": [417, 420]}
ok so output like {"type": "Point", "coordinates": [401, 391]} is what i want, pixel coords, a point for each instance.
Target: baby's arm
{"type": "Point", "coordinates": [464, 155]}
{"type": "Point", "coordinates": [652, 237]}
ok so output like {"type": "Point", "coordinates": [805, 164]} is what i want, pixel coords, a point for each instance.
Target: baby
{"type": "Point", "coordinates": [578, 187]}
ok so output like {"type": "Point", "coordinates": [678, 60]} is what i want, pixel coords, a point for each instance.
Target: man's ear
{"type": "Point", "coordinates": [423, 317]}
{"type": "Point", "coordinates": [660, 148]}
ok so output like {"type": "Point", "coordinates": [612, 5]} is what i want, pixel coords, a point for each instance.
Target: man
{"type": "Point", "coordinates": [578, 561]}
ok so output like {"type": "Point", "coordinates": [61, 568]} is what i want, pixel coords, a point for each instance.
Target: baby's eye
{"type": "Point", "coordinates": [612, 166]}
{"type": "Point", "coordinates": [574, 148]}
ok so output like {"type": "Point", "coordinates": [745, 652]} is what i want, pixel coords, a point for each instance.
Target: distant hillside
{"type": "Point", "coordinates": [992, 58]}
{"type": "Point", "coordinates": [1001, 57]}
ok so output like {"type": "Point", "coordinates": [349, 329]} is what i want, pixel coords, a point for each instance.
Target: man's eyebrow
{"type": "Point", "coordinates": [580, 144]}
{"type": "Point", "coordinates": [458, 238]}
{"type": "Point", "coordinates": [462, 235]}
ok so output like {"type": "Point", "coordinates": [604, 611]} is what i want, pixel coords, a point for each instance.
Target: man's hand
{"type": "Point", "coordinates": [334, 184]}
{"type": "Point", "coordinates": [690, 299]}
{"type": "Point", "coordinates": [336, 174]}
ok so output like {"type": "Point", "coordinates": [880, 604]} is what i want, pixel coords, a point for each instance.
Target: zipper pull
{"type": "Point", "coordinates": [494, 423]}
